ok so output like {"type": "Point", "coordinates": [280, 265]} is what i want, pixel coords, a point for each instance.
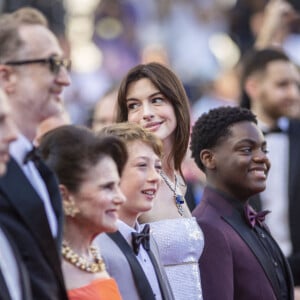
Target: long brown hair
{"type": "Point", "coordinates": [171, 87]}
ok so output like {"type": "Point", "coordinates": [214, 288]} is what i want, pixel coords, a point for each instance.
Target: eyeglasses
{"type": "Point", "coordinates": [55, 63]}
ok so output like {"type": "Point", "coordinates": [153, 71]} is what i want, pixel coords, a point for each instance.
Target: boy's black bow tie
{"type": "Point", "coordinates": [141, 238]}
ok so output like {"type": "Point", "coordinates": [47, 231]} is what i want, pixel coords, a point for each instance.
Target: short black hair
{"type": "Point", "coordinates": [211, 127]}
{"type": "Point", "coordinates": [257, 61]}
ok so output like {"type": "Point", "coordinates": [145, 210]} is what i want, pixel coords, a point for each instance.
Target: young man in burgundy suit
{"type": "Point", "coordinates": [241, 260]}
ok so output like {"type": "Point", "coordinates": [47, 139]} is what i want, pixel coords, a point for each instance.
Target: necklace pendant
{"type": "Point", "coordinates": [180, 209]}
{"type": "Point", "coordinates": [179, 199]}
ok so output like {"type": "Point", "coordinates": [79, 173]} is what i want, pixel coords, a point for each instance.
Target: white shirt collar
{"type": "Point", "coordinates": [126, 230]}
{"type": "Point", "coordinates": [19, 148]}
{"type": "Point", "coordinates": [283, 123]}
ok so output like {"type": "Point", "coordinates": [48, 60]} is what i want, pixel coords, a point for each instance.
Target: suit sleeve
{"type": "Point", "coordinates": [216, 265]}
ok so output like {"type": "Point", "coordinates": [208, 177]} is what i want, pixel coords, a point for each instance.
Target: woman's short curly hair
{"type": "Point", "coordinates": [213, 126]}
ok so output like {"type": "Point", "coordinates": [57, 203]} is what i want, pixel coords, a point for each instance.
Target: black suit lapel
{"type": "Point", "coordinates": [157, 269]}
{"type": "Point", "coordinates": [144, 289]}
{"type": "Point", "coordinates": [30, 209]}
{"type": "Point", "coordinates": [294, 158]}
{"type": "Point", "coordinates": [51, 182]}
{"type": "Point", "coordinates": [293, 183]}
{"type": "Point", "coordinates": [250, 238]}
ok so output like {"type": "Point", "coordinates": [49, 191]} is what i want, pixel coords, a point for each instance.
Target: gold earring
{"type": "Point", "coordinates": [70, 208]}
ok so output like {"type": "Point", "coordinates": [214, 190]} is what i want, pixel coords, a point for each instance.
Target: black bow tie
{"type": "Point", "coordinates": [141, 238]}
{"type": "Point", "coordinates": [255, 218]}
{"type": "Point", "coordinates": [32, 155]}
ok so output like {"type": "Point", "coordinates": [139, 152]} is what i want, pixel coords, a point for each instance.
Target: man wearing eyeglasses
{"type": "Point", "coordinates": [33, 73]}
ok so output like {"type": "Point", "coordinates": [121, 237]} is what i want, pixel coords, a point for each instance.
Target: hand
{"type": "Point", "coordinates": [278, 15]}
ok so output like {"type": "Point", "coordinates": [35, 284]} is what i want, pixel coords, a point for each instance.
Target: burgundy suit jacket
{"type": "Point", "coordinates": [233, 265]}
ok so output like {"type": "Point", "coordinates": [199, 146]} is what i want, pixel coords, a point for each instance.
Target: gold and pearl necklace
{"type": "Point", "coordinates": [81, 262]}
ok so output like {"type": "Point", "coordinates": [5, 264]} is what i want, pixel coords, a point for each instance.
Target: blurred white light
{"type": "Point", "coordinates": [225, 50]}
{"type": "Point", "coordinates": [86, 58]}
{"type": "Point", "coordinates": [81, 7]}
{"type": "Point", "coordinates": [80, 29]}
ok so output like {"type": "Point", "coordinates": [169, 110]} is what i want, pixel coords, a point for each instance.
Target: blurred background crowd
{"type": "Point", "coordinates": [201, 40]}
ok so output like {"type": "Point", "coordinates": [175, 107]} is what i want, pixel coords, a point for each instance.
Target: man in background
{"type": "Point", "coordinates": [271, 90]}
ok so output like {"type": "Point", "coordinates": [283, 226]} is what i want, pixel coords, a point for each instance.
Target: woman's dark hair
{"type": "Point", "coordinates": [171, 87]}
{"type": "Point", "coordinates": [71, 150]}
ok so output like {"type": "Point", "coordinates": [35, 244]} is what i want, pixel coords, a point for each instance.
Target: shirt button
{"type": "Point", "coordinates": [145, 260]}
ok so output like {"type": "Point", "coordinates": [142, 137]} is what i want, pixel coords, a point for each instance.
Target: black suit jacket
{"type": "Point", "coordinates": [23, 215]}
{"type": "Point", "coordinates": [293, 197]}
{"type": "Point", "coordinates": [24, 276]}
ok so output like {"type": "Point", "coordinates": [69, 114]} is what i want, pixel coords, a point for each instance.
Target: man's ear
{"type": "Point", "coordinates": [8, 79]}
{"type": "Point", "coordinates": [251, 86]}
{"type": "Point", "coordinates": [208, 159]}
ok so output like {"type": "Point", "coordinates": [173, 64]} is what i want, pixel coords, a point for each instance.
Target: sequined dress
{"type": "Point", "coordinates": [180, 242]}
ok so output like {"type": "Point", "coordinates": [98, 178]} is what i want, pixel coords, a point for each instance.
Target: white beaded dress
{"type": "Point", "coordinates": [180, 242]}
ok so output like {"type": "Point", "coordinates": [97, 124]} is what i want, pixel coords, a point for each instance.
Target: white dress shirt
{"type": "Point", "coordinates": [142, 257]}
{"type": "Point", "coordinates": [18, 151]}
{"type": "Point", "coordinates": [9, 268]}
{"type": "Point", "coordinates": [275, 196]}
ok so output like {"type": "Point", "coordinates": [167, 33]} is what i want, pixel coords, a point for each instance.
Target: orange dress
{"type": "Point", "coordinates": [100, 289]}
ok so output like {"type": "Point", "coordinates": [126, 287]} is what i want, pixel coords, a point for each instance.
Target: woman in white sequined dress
{"type": "Point", "coordinates": [153, 96]}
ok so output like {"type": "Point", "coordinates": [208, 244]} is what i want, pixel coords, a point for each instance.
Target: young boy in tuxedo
{"type": "Point", "coordinates": [130, 254]}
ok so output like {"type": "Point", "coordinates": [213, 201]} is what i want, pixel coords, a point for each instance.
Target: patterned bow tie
{"type": "Point", "coordinates": [32, 155]}
{"type": "Point", "coordinates": [252, 217]}
{"type": "Point", "coordinates": [141, 238]}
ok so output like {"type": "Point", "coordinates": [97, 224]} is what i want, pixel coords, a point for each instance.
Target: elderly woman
{"type": "Point", "coordinates": [88, 170]}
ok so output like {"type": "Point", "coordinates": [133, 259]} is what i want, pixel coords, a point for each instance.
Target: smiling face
{"type": "Point", "coordinates": [99, 197]}
{"type": "Point", "coordinates": [140, 180]}
{"type": "Point", "coordinates": [239, 162]}
{"type": "Point", "coordinates": [148, 107]}
{"type": "Point", "coordinates": [37, 91]}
